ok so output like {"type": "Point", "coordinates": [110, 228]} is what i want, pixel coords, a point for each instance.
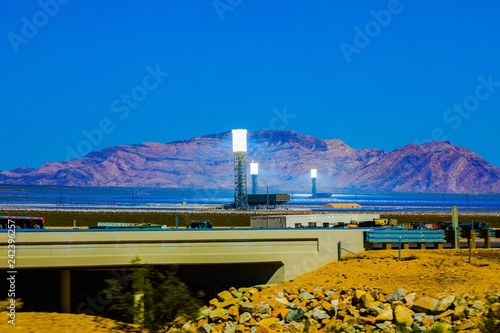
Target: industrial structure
{"type": "Point", "coordinates": [314, 174]}
{"type": "Point", "coordinates": [240, 175]}
{"type": "Point", "coordinates": [267, 201]}
{"type": "Point", "coordinates": [312, 220]}
{"type": "Point", "coordinates": [254, 173]}
{"type": "Point", "coordinates": [243, 200]}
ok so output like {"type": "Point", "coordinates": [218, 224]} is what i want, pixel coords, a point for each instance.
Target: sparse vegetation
{"type": "Point", "coordinates": [151, 297]}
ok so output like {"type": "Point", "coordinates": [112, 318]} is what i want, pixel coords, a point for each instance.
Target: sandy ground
{"type": "Point", "coordinates": [430, 272]}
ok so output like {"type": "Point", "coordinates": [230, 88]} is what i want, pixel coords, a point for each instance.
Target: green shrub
{"type": "Point", "coordinates": [151, 297]}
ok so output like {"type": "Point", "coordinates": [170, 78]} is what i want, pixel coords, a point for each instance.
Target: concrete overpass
{"type": "Point", "coordinates": [279, 253]}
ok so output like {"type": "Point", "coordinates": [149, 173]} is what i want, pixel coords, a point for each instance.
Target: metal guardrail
{"type": "Point", "coordinates": [124, 225]}
{"type": "Point", "coordinates": [405, 236]}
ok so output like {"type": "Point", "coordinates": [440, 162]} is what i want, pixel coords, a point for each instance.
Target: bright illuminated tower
{"type": "Point", "coordinates": [254, 172]}
{"type": "Point", "coordinates": [314, 174]}
{"type": "Point", "coordinates": [240, 175]}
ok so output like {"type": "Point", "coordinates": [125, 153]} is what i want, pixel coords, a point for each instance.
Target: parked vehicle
{"type": "Point", "coordinates": [24, 222]}
{"type": "Point", "coordinates": [201, 224]}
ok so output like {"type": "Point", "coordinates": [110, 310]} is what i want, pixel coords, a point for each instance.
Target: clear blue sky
{"type": "Point", "coordinates": [84, 75]}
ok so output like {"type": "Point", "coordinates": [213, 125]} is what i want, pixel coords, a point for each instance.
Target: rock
{"type": "Point", "coordinates": [233, 311]}
{"type": "Point", "coordinates": [319, 314]}
{"type": "Point", "coordinates": [383, 326]}
{"type": "Point", "coordinates": [444, 303]}
{"type": "Point", "coordinates": [425, 304]}
{"type": "Point", "coordinates": [403, 316]}
{"type": "Point", "coordinates": [229, 328]}
{"type": "Point", "coordinates": [311, 326]}
{"type": "Point", "coordinates": [366, 320]}
{"type": "Point", "coordinates": [398, 295]}
{"type": "Point", "coordinates": [244, 317]}
{"type": "Point", "coordinates": [246, 307]}
{"type": "Point", "coordinates": [326, 305]}
{"type": "Point", "coordinates": [305, 296]}
{"type": "Point", "coordinates": [447, 313]}
{"type": "Point", "coordinates": [205, 328]}
{"type": "Point", "coordinates": [476, 309]}
{"type": "Point", "coordinates": [261, 287]}
{"type": "Point", "coordinates": [228, 303]}
{"type": "Point", "coordinates": [268, 322]}
{"type": "Point", "coordinates": [460, 311]}
{"type": "Point", "coordinates": [385, 315]}
{"type": "Point", "coordinates": [427, 321]}
{"type": "Point", "coordinates": [494, 311]}
{"type": "Point", "coordinates": [460, 301]}
{"type": "Point", "coordinates": [281, 313]}
{"type": "Point", "coordinates": [204, 312]}
{"type": "Point", "coordinates": [224, 296]}
{"type": "Point", "coordinates": [189, 328]}
{"type": "Point", "coordinates": [409, 299]}
{"type": "Point", "coordinates": [359, 293]}
{"type": "Point", "coordinates": [282, 300]}
{"type": "Point", "coordinates": [373, 311]}
{"type": "Point", "coordinates": [465, 326]}
{"type": "Point", "coordinates": [294, 327]}
{"type": "Point", "coordinates": [263, 308]}
{"type": "Point", "coordinates": [349, 320]}
{"type": "Point", "coordinates": [367, 300]}
{"type": "Point", "coordinates": [294, 315]}
{"type": "Point", "coordinates": [217, 314]}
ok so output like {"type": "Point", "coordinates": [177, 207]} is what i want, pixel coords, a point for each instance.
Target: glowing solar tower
{"type": "Point", "coordinates": [254, 172]}
{"type": "Point", "coordinates": [314, 174]}
{"type": "Point", "coordinates": [240, 175]}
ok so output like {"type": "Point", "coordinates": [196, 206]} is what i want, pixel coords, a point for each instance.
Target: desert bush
{"type": "Point", "coordinates": [151, 298]}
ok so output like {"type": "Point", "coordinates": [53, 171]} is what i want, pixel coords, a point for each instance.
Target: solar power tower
{"type": "Point", "coordinates": [314, 174]}
{"type": "Point", "coordinates": [254, 173]}
{"type": "Point", "coordinates": [240, 175]}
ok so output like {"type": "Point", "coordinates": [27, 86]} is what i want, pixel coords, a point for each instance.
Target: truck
{"type": "Point", "coordinates": [205, 224]}
{"type": "Point", "coordinates": [24, 222]}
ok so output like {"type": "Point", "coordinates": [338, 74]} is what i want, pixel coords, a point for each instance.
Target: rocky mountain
{"type": "Point", "coordinates": [285, 159]}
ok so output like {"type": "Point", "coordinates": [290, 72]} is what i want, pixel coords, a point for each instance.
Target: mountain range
{"type": "Point", "coordinates": [285, 159]}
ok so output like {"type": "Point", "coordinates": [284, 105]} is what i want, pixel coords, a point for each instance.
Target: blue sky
{"type": "Point", "coordinates": [79, 76]}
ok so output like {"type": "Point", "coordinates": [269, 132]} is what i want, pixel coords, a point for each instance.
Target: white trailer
{"type": "Point", "coordinates": [310, 220]}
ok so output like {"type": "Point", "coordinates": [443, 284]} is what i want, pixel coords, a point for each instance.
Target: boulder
{"type": "Point", "coordinates": [385, 315]}
{"type": "Point", "coordinates": [217, 314]}
{"type": "Point", "coordinates": [294, 315]}
{"type": "Point", "coordinates": [403, 316]}
{"type": "Point", "coordinates": [398, 295]}
{"type": "Point", "coordinates": [311, 326]}
{"type": "Point", "coordinates": [444, 303]}
{"type": "Point", "coordinates": [268, 322]}
{"type": "Point", "coordinates": [224, 296]}
{"type": "Point", "coordinates": [244, 317]}
{"type": "Point", "coordinates": [305, 296]}
{"type": "Point", "coordinates": [294, 327]}
{"type": "Point", "coordinates": [425, 304]}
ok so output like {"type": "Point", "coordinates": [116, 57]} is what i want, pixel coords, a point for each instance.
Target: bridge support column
{"type": "Point", "coordinates": [65, 290]}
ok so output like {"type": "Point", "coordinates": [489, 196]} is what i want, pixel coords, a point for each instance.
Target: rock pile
{"type": "Point", "coordinates": [315, 310]}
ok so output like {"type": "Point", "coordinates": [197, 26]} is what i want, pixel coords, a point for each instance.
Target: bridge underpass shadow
{"type": "Point", "coordinates": [41, 292]}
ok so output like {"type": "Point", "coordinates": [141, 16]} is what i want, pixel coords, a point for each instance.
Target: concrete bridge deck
{"type": "Point", "coordinates": [288, 252]}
